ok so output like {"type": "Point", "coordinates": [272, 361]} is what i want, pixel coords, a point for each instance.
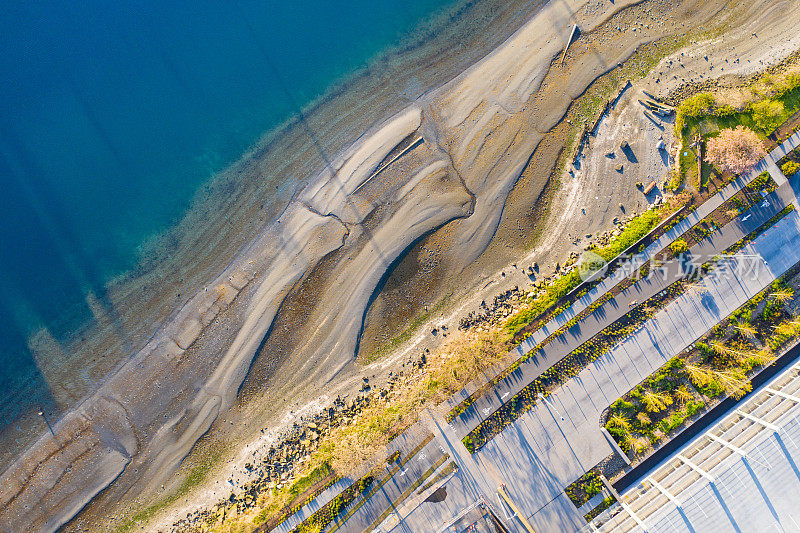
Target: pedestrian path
{"type": "Point", "coordinates": [640, 259]}
{"type": "Point", "coordinates": [538, 455]}
{"type": "Point", "coordinates": [559, 347]}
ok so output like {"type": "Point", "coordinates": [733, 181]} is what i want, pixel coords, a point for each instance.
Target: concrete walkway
{"type": "Point", "coordinates": [615, 308]}
{"type": "Point", "coordinates": [768, 164]}
{"type": "Point", "coordinates": [538, 455]}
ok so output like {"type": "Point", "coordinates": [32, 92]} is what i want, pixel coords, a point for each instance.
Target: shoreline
{"type": "Point", "coordinates": [126, 287]}
{"type": "Point", "coordinates": [347, 218]}
{"type": "Point", "coordinates": [164, 277]}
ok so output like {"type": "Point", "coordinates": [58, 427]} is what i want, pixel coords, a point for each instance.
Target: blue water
{"type": "Point", "coordinates": [114, 113]}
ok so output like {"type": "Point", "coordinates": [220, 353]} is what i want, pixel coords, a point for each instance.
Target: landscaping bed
{"type": "Point", "coordinates": [585, 487]}
{"type": "Point", "coordinates": [790, 163]}
{"type": "Point", "coordinates": [720, 364]}
{"type": "Point", "coordinates": [328, 512]}
{"type": "Point", "coordinates": [570, 365]}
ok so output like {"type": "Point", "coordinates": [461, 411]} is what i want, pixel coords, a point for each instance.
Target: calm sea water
{"type": "Point", "coordinates": [114, 113]}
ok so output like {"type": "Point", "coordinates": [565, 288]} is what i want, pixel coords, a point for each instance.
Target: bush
{"type": "Point", "coordinates": [761, 182]}
{"type": "Point", "coordinates": [788, 83]}
{"type": "Point", "coordinates": [767, 114]}
{"type": "Point", "coordinates": [790, 168]}
{"type": "Point", "coordinates": [697, 105]}
{"type": "Point", "coordinates": [468, 444]}
{"type": "Point", "coordinates": [679, 246]}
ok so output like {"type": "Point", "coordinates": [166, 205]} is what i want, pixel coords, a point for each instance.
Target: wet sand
{"type": "Point", "coordinates": [438, 220]}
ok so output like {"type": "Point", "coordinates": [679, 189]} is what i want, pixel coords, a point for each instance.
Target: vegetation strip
{"type": "Point", "coordinates": [446, 471]}
{"type": "Point", "coordinates": [569, 366]}
{"type": "Point", "coordinates": [599, 344]}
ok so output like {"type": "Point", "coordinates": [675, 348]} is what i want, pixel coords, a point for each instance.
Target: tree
{"type": "Point", "coordinates": [697, 105]}
{"type": "Point", "coordinates": [620, 422]}
{"type": "Point", "coordinates": [734, 382]}
{"type": "Point", "coordinates": [629, 442]}
{"type": "Point", "coordinates": [656, 401]}
{"type": "Point", "coordinates": [735, 150]}
{"type": "Point", "coordinates": [762, 357]}
{"type": "Point", "coordinates": [683, 395]}
{"type": "Point", "coordinates": [783, 295]}
{"type": "Point", "coordinates": [722, 350]}
{"type": "Point", "coordinates": [767, 114]}
{"type": "Point", "coordinates": [699, 376]}
{"type": "Point", "coordinates": [746, 329]}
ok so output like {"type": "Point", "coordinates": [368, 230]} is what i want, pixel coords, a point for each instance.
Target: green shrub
{"type": "Point", "coordinates": [697, 105]}
{"type": "Point", "coordinates": [679, 246]}
{"type": "Point", "coordinates": [713, 389]}
{"type": "Point", "coordinates": [724, 111]}
{"type": "Point", "coordinates": [767, 114]}
{"type": "Point", "coordinates": [790, 168]}
{"type": "Point", "coordinates": [468, 444]}
{"type": "Point", "coordinates": [788, 83]}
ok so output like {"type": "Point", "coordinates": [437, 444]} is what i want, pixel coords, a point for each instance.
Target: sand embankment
{"type": "Point", "coordinates": [346, 228]}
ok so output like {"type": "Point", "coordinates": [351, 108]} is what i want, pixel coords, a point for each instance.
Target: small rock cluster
{"type": "Point", "coordinates": [502, 306]}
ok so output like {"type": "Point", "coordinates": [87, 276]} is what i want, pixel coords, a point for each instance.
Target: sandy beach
{"type": "Point", "coordinates": [406, 199]}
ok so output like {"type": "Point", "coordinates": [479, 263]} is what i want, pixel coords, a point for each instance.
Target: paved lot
{"type": "Point", "coordinates": [616, 308]}
{"type": "Point", "coordinates": [538, 455]}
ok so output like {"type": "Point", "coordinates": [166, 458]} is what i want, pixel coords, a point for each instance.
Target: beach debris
{"type": "Point", "coordinates": [569, 42]}
{"type": "Point", "coordinates": [619, 168]}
